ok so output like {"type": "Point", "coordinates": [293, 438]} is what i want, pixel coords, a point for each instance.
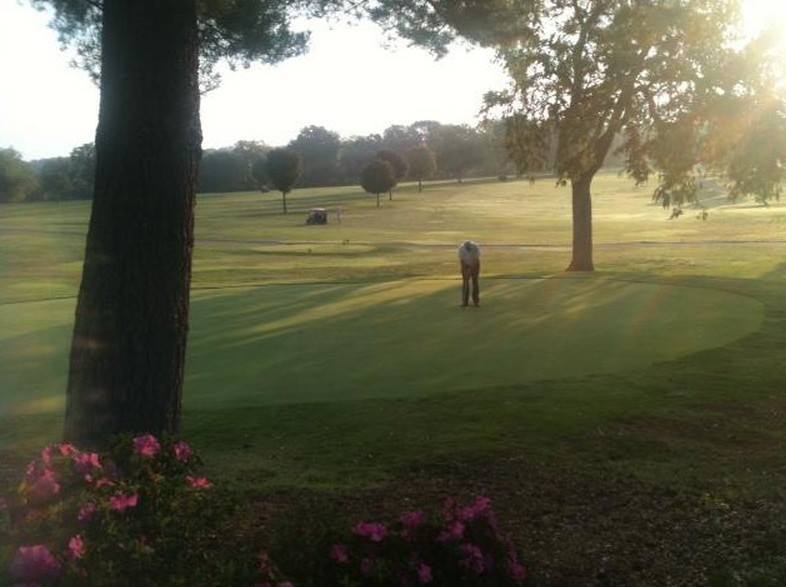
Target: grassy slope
{"type": "Point", "coordinates": [706, 422]}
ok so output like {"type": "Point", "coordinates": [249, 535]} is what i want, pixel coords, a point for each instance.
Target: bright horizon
{"type": "Point", "coordinates": [348, 82]}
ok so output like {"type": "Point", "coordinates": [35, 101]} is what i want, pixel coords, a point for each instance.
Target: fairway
{"type": "Point", "coordinates": [337, 358]}
{"type": "Point", "coordinates": [291, 344]}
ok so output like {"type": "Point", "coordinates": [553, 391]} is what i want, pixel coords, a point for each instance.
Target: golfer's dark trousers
{"type": "Point", "coordinates": [470, 271]}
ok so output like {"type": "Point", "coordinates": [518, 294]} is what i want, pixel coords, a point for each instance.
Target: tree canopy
{"type": "Point", "coordinates": [17, 177]}
{"type": "Point", "coordinates": [377, 177]}
{"type": "Point", "coordinates": [318, 148]}
{"type": "Point", "coordinates": [422, 164]}
{"type": "Point", "coordinates": [584, 72]}
{"type": "Point", "coordinates": [397, 163]}
{"type": "Point", "coordinates": [236, 32]}
{"type": "Point", "coordinates": [283, 168]}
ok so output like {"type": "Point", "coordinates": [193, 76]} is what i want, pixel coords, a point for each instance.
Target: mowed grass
{"type": "Point", "coordinates": [337, 356]}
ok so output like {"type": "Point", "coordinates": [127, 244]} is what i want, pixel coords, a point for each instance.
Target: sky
{"type": "Point", "coordinates": [348, 82]}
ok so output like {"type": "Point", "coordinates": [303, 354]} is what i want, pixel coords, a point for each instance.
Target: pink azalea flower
{"type": "Point", "coordinates": [67, 449]}
{"type": "Point", "coordinates": [120, 502]}
{"type": "Point", "coordinates": [371, 530]}
{"type": "Point", "coordinates": [412, 520]}
{"type": "Point", "coordinates": [339, 553]}
{"type": "Point", "coordinates": [517, 571]}
{"type": "Point", "coordinates": [76, 546]}
{"type": "Point", "coordinates": [46, 455]}
{"type": "Point", "coordinates": [473, 559]}
{"type": "Point", "coordinates": [479, 509]}
{"type": "Point", "coordinates": [147, 446]}
{"type": "Point", "coordinates": [453, 533]}
{"type": "Point", "coordinates": [86, 513]}
{"type": "Point", "coordinates": [42, 485]}
{"type": "Point", "coordinates": [104, 483]}
{"type": "Point", "coordinates": [34, 564]}
{"type": "Point", "coordinates": [424, 574]}
{"type": "Point", "coordinates": [85, 463]}
{"type": "Point", "coordinates": [183, 452]}
{"type": "Point", "coordinates": [199, 482]}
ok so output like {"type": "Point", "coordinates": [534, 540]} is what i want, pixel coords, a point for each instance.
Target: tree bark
{"type": "Point", "coordinates": [582, 225]}
{"type": "Point", "coordinates": [129, 343]}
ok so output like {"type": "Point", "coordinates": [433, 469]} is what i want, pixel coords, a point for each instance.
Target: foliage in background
{"type": "Point", "coordinates": [397, 163]}
{"type": "Point", "coordinates": [283, 168]}
{"type": "Point", "coordinates": [18, 181]}
{"type": "Point", "coordinates": [377, 178]}
{"type": "Point", "coordinates": [422, 164]}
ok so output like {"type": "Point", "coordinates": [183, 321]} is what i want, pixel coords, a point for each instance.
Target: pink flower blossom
{"type": "Point", "coordinates": [371, 530]}
{"type": "Point", "coordinates": [85, 463]}
{"type": "Point", "coordinates": [473, 559]}
{"type": "Point", "coordinates": [86, 513]}
{"type": "Point", "coordinates": [339, 553]}
{"type": "Point", "coordinates": [120, 502]}
{"type": "Point", "coordinates": [147, 446]}
{"type": "Point", "coordinates": [34, 564]}
{"type": "Point", "coordinates": [104, 482]}
{"type": "Point", "coordinates": [199, 482]}
{"type": "Point", "coordinates": [424, 574]}
{"type": "Point", "coordinates": [479, 509]}
{"type": "Point", "coordinates": [41, 485]}
{"type": "Point", "coordinates": [453, 533]}
{"type": "Point", "coordinates": [183, 452]}
{"type": "Point", "coordinates": [517, 571]}
{"type": "Point", "coordinates": [412, 520]}
{"type": "Point", "coordinates": [76, 546]}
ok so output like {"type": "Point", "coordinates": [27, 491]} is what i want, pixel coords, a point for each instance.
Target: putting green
{"type": "Point", "coordinates": [300, 343]}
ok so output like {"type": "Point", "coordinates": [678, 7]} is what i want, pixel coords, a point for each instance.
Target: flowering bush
{"type": "Point", "coordinates": [139, 515]}
{"type": "Point", "coordinates": [135, 515]}
{"type": "Point", "coordinates": [463, 546]}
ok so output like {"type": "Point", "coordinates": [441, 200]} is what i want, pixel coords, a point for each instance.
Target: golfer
{"type": "Point", "coordinates": [469, 256]}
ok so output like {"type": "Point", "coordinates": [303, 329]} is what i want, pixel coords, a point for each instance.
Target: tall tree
{"type": "Point", "coordinates": [644, 70]}
{"type": "Point", "coordinates": [422, 164]}
{"type": "Point", "coordinates": [283, 167]}
{"type": "Point", "coordinates": [318, 148]}
{"type": "Point", "coordinates": [377, 178]}
{"type": "Point", "coordinates": [18, 180]}
{"type": "Point", "coordinates": [128, 350]}
{"type": "Point", "coordinates": [355, 154]}
{"type": "Point", "coordinates": [459, 148]}
{"type": "Point", "coordinates": [55, 178]}
{"type": "Point", "coordinates": [398, 164]}
{"type": "Point", "coordinates": [584, 71]}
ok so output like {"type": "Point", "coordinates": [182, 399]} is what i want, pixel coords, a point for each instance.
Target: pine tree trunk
{"type": "Point", "coordinates": [582, 225]}
{"type": "Point", "coordinates": [129, 344]}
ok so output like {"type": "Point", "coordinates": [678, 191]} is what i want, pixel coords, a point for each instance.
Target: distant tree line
{"type": "Point", "coordinates": [422, 150]}
{"type": "Point", "coordinates": [53, 179]}
{"type": "Point", "coordinates": [327, 159]}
